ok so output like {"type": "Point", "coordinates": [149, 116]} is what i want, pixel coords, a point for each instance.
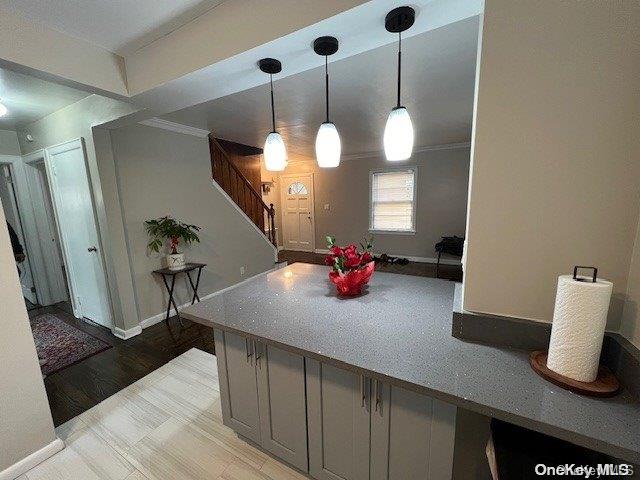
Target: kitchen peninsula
{"type": "Point", "coordinates": [355, 387]}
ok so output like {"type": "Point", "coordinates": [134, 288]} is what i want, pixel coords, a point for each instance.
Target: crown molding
{"type": "Point", "coordinates": [428, 148]}
{"type": "Point", "coordinates": [379, 153]}
{"type": "Point", "coordinates": [175, 127]}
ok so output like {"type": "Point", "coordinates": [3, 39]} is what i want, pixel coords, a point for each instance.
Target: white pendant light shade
{"type": "Point", "coordinates": [275, 153]}
{"type": "Point", "coordinates": [328, 146]}
{"type": "Point", "coordinates": [3, 110]}
{"type": "Point", "coordinates": [398, 135]}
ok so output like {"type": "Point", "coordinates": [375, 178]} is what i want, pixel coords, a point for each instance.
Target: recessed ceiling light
{"type": "Point", "coordinates": [3, 110]}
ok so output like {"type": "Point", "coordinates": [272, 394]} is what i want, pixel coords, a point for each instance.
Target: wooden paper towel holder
{"type": "Point", "coordinates": [605, 385]}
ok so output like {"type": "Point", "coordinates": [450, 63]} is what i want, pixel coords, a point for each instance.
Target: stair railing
{"type": "Point", "coordinates": [241, 191]}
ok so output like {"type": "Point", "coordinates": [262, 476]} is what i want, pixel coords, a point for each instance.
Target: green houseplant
{"type": "Point", "coordinates": [167, 228]}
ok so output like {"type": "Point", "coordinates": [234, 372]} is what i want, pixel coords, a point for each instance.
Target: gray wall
{"type": "Point", "coordinates": [554, 166]}
{"type": "Point", "coordinates": [9, 143]}
{"type": "Point", "coordinates": [160, 173]}
{"type": "Point", "coordinates": [443, 177]}
{"type": "Point", "coordinates": [25, 420]}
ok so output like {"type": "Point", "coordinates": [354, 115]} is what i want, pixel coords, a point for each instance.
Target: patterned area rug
{"type": "Point", "coordinates": [61, 344]}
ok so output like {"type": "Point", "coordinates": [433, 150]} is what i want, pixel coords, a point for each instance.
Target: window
{"type": "Point", "coordinates": [393, 196]}
{"type": "Point", "coordinates": [297, 188]}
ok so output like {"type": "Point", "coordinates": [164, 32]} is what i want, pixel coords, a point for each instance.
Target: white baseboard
{"type": "Point", "coordinates": [443, 261]}
{"type": "Point", "coordinates": [126, 334]}
{"type": "Point", "coordinates": [27, 463]}
{"type": "Point", "coordinates": [147, 322]}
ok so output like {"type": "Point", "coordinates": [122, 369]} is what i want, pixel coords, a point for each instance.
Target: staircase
{"type": "Point", "coordinates": [241, 191]}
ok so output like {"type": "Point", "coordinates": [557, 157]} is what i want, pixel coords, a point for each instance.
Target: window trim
{"type": "Point", "coordinates": [412, 168]}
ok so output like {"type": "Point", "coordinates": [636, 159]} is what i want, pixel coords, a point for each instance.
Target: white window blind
{"type": "Point", "coordinates": [392, 201]}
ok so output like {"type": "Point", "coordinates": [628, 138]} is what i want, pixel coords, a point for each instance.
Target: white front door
{"type": "Point", "coordinates": [297, 212]}
{"type": "Point", "coordinates": [71, 193]}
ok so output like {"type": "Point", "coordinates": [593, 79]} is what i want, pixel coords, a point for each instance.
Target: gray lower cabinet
{"type": "Point", "coordinates": [262, 391]}
{"type": "Point", "coordinates": [338, 409]}
{"type": "Point", "coordinates": [412, 435]}
{"type": "Point", "coordinates": [357, 428]}
{"type": "Point", "coordinates": [362, 429]}
{"type": "Point", "coordinates": [238, 384]}
{"type": "Point", "coordinates": [283, 409]}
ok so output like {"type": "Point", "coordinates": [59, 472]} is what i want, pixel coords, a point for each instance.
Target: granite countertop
{"type": "Point", "coordinates": [400, 332]}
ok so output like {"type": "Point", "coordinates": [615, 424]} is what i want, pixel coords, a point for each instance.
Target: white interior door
{"type": "Point", "coordinates": [298, 213]}
{"type": "Point", "coordinates": [78, 231]}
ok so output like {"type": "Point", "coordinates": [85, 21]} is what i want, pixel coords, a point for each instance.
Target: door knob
{"type": "Point", "coordinates": [92, 249]}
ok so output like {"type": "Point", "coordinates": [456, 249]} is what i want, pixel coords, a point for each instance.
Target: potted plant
{"type": "Point", "coordinates": [352, 269]}
{"type": "Point", "coordinates": [167, 228]}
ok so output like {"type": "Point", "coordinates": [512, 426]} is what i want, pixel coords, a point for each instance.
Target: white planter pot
{"type": "Point", "coordinates": [175, 261]}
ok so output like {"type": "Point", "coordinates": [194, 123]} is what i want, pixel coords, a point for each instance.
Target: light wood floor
{"type": "Point", "coordinates": [167, 425]}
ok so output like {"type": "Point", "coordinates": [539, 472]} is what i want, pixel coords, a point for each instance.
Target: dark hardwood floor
{"type": "Point", "coordinates": [79, 387]}
{"type": "Point", "coordinates": [448, 272]}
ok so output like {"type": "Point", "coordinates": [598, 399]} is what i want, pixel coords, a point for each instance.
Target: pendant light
{"type": "Point", "coordinates": [275, 152]}
{"type": "Point", "coordinates": [328, 145]}
{"type": "Point", "coordinates": [398, 133]}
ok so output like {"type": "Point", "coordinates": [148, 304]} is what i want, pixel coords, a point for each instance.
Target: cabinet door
{"type": "Point", "coordinates": [238, 387]}
{"type": "Point", "coordinates": [412, 435]}
{"type": "Point", "coordinates": [338, 408]}
{"type": "Point", "coordinates": [283, 411]}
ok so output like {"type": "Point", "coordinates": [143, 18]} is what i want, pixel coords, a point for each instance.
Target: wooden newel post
{"type": "Point", "coordinates": [272, 216]}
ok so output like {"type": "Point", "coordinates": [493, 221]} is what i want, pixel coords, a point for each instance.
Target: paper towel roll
{"type": "Point", "coordinates": [579, 320]}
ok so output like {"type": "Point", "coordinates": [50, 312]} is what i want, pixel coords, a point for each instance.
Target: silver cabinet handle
{"type": "Point", "coordinates": [256, 347]}
{"type": "Point", "coordinates": [248, 348]}
{"type": "Point", "coordinates": [378, 397]}
{"type": "Point", "coordinates": [362, 389]}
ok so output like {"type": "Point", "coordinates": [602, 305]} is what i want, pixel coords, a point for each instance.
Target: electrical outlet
{"type": "Point", "coordinates": [242, 270]}
{"type": "Point", "coordinates": [327, 206]}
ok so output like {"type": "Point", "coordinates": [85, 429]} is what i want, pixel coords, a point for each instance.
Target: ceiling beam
{"type": "Point", "coordinates": [51, 55]}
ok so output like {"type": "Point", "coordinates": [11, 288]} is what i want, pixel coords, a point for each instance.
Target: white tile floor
{"type": "Point", "coordinates": [168, 425]}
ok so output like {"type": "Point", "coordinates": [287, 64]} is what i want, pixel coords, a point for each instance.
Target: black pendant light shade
{"type": "Point", "coordinates": [400, 19]}
{"type": "Point", "coordinates": [275, 152]}
{"type": "Point", "coordinates": [328, 144]}
{"type": "Point", "coordinates": [398, 133]}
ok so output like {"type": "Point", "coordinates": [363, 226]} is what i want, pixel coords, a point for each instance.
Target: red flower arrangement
{"type": "Point", "coordinates": [351, 269]}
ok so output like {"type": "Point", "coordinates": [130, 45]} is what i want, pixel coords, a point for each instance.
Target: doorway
{"type": "Point", "coordinates": [9, 199]}
{"type": "Point", "coordinates": [298, 214]}
{"type": "Point", "coordinates": [63, 227]}
{"type": "Point", "coordinates": [52, 288]}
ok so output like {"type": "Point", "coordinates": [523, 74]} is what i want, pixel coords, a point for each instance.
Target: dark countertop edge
{"type": "Point", "coordinates": [579, 439]}
{"type": "Point", "coordinates": [618, 353]}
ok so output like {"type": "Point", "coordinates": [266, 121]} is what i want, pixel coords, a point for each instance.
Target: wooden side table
{"type": "Point", "coordinates": [187, 269]}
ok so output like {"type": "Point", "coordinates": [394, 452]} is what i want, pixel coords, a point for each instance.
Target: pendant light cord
{"type": "Point", "coordinates": [273, 110]}
{"type": "Point", "coordinates": [399, 64]}
{"type": "Point", "coordinates": [326, 84]}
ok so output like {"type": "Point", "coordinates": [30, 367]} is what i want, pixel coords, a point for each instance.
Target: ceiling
{"type": "Point", "coordinates": [120, 26]}
{"type": "Point", "coordinates": [29, 99]}
{"type": "Point", "coordinates": [438, 86]}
